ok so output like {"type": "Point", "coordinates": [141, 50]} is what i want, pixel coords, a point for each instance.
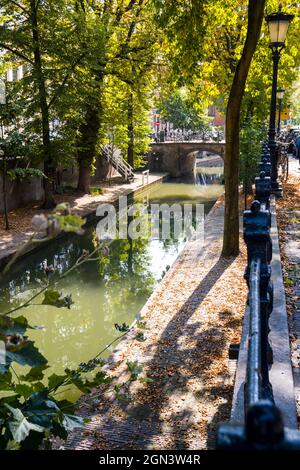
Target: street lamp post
{"type": "Point", "coordinates": [278, 27]}
{"type": "Point", "coordinates": [280, 95]}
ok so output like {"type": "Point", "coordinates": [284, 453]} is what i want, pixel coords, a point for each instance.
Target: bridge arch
{"type": "Point", "coordinates": [178, 158]}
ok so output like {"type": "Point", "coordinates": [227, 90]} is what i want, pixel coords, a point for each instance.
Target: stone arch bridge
{"type": "Point", "coordinates": [178, 158]}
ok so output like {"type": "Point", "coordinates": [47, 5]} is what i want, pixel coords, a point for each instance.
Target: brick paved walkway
{"type": "Point", "coordinates": [191, 319]}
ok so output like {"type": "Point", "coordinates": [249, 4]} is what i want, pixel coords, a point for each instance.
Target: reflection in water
{"type": "Point", "coordinates": [209, 171]}
{"type": "Point", "coordinates": [110, 290]}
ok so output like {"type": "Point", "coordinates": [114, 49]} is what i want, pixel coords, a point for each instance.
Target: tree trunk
{"type": "Point", "coordinates": [84, 177]}
{"type": "Point", "coordinates": [49, 201]}
{"type": "Point", "coordinates": [130, 129]}
{"type": "Point", "coordinates": [87, 143]}
{"type": "Point", "coordinates": [232, 152]}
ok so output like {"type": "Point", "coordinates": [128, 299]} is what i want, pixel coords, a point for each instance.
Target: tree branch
{"type": "Point", "coordinates": [66, 78]}
{"type": "Point", "coordinates": [15, 52]}
{"type": "Point", "coordinates": [19, 6]}
{"type": "Point", "coordinates": [132, 26]}
{"type": "Point", "coordinates": [120, 13]}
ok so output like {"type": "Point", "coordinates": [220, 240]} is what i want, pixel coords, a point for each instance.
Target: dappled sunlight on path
{"type": "Point", "coordinates": [190, 321]}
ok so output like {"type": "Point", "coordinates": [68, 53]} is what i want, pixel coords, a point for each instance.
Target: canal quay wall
{"type": "Point", "coordinates": [84, 206]}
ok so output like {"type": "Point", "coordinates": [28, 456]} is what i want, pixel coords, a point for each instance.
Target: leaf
{"type": "Point", "coordinates": [10, 326]}
{"type": "Point", "coordinates": [53, 297]}
{"type": "Point", "coordinates": [25, 354]}
{"type": "Point", "coordinates": [19, 426]}
{"type": "Point", "coordinates": [66, 406]}
{"type": "Point", "coordinates": [3, 368]}
{"type": "Point", "coordinates": [5, 381]}
{"type": "Point", "coordinates": [71, 422]}
{"type": "Point", "coordinates": [100, 378]}
{"type": "Point", "coordinates": [55, 381]}
{"type": "Point", "coordinates": [22, 173]}
{"type": "Point", "coordinates": [140, 336]}
{"type": "Point", "coordinates": [38, 387]}
{"type": "Point", "coordinates": [122, 328]}
{"type": "Point", "coordinates": [134, 368]}
{"type": "Point", "coordinates": [58, 430]}
{"type": "Point", "coordinates": [80, 384]}
{"type": "Point", "coordinates": [146, 380]}
{"type": "Point", "coordinates": [41, 409]}
{"type": "Point", "coordinates": [35, 374]}
{"type": "Point", "coordinates": [85, 386]}
{"type": "Point", "coordinates": [141, 325]}
{"type": "Point", "coordinates": [24, 390]}
{"type": "Point", "coordinates": [71, 223]}
{"type": "Point", "coordinates": [13, 400]}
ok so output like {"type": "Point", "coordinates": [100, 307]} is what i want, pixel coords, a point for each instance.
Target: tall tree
{"type": "Point", "coordinates": [123, 24]}
{"type": "Point", "coordinates": [38, 35]}
{"type": "Point", "coordinates": [232, 152]}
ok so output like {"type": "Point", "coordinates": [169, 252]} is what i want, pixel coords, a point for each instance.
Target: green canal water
{"type": "Point", "coordinates": [110, 290]}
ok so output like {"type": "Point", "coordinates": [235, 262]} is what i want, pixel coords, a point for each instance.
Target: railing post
{"type": "Point", "coordinates": [265, 166]}
{"type": "Point", "coordinates": [263, 186]}
{"type": "Point", "coordinates": [263, 428]}
{"type": "Point", "coordinates": [257, 222]}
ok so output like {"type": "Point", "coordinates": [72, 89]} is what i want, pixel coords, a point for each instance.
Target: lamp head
{"type": "Point", "coordinates": [278, 24]}
{"type": "Point", "coordinates": [280, 93]}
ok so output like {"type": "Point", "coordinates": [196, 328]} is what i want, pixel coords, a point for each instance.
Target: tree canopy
{"type": "Point", "coordinates": [94, 69]}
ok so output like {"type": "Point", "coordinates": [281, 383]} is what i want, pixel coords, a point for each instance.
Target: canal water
{"type": "Point", "coordinates": [109, 290]}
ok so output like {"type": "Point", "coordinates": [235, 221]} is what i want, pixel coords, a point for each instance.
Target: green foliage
{"type": "Point", "coordinates": [98, 58]}
{"type": "Point", "coordinates": [251, 137]}
{"type": "Point", "coordinates": [118, 97]}
{"type": "Point", "coordinates": [24, 173]}
{"type": "Point", "coordinates": [122, 328]}
{"type": "Point", "coordinates": [19, 426]}
{"type": "Point", "coordinates": [140, 336]}
{"type": "Point", "coordinates": [13, 326]}
{"type": "Point", "coordinates": [146, 380]}
{"type": "Point", "coordinates": [29, 411]}
{"type": "Point", "coordinates": [183, 26]}
{"type": "Point", "coordinates": [96, 191]}
{"type": "Point", "coordinates": [32, 408]}
{"type": "Point", "coordinates": [71, 223]}
{"type": "Point", "coordinates": [134, 369]}
{"type": "Point", "coordinates": [178, 110]}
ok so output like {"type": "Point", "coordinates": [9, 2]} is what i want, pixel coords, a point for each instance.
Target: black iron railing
{"type": "Point", "coordinates": [186, 136]}
{"type": "Point", "coordinates": [263, 426]}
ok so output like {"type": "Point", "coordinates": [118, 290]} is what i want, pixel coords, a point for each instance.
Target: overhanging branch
{"type": "Point", "coordinates": [17, 53]}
